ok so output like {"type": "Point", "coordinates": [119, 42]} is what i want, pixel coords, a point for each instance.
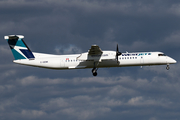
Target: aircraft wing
{"type": "Point", "coordinates": [94, 53]}
{"type": "Point", "coordinates": [95, 50]}
{"type": "Point", "coordinates": [97, 55]}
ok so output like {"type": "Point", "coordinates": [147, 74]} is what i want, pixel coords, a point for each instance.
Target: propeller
{"type": "Point", "coordinates": [117, 53]}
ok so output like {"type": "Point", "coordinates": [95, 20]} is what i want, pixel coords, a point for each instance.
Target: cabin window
{"type": "Point", "coordinates": [161, 55]}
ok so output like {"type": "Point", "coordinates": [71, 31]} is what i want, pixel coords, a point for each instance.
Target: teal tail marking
{"type": "Point", "coordinates": [18, 47]}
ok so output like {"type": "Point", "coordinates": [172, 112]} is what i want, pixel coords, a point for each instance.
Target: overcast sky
{"type": "Point", "coordinates": [72, 26]}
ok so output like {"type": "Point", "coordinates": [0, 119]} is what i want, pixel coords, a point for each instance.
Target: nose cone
{"type": "Point", "coordinates": [174, 61]}
{"type": "Point", "coordinates": [171, 61]}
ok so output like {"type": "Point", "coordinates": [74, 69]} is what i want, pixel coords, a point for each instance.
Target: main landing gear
{"type": "Point", "coordinates": [94, 70]}
{"type": "Point", "coordinates": [167, 68]}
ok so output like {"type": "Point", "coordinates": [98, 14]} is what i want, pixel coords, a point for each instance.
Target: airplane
{"type": "Point", "coordinates": [95, 58]}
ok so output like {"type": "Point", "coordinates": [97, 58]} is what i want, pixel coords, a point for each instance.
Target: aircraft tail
{"type": "Point", "coordinates": [18, 47]}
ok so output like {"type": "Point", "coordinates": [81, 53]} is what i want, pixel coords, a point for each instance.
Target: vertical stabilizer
{"type": "Point", "coordinates": [18, 47]}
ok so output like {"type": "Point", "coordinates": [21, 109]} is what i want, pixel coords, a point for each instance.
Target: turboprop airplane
{"type": "Point", "coordinates": [95, 58]}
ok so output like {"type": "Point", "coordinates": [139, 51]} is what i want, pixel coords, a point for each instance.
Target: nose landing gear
{"type": "Point", "coordinates": [167, 68]}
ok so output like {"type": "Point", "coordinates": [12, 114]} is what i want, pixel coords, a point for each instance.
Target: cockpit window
{"type": "Point", "coordinates": [161, 55]}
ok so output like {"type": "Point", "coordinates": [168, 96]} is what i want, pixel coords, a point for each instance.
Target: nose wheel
{"type": "Point", "coordinates": [167, 68]}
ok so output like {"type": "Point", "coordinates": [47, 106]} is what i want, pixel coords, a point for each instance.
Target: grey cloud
{"type": "Point", "coordinates": [71, 49]}
{"type": "Point", "coordinates": [5, 50]}
{"type": "Point", "coordinates": [32, 80]}
{"type": "Point", "coordinates": [121, 91]}
{"type": "Point", "coordinates": [31, 114]}
{"type": "Point", "coordinates": [140, 101]}
{"type": "Point", "coordinates": [173, 38]}
{"type": "Point", "coordinates": [73, 103]}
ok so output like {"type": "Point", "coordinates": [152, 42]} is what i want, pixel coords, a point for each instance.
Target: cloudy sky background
{"type": "Point", "coordinates": [72, 26]}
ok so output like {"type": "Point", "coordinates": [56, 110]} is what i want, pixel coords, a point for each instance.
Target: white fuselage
{"type": "Point", "coordinates": [107, 59]}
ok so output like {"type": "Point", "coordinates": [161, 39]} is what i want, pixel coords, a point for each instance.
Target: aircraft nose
{"type": "Point", "coordinates": [171, 61]}
{"type": "Point", "coordinates": [174, 61]}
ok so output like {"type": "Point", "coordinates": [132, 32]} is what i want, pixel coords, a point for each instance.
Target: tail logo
{"type": "Point", "coordinates": [18, 47]}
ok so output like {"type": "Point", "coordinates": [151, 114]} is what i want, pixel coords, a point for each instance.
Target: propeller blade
{"type": "Point", "coordinates": [117, 49]}
{"type": "Point", "coordinates": [117, 53]}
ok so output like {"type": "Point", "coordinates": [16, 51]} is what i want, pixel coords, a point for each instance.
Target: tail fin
{"type": "Point", "coordinates": [18, 47]}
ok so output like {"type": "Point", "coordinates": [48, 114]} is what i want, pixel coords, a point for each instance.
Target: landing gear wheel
{"type": "Point", "coordinates": [95, 73]}
{"type": "Point", "coordinates": [167, 68]}
{"type": "Point", "coordinates": [94, 70]}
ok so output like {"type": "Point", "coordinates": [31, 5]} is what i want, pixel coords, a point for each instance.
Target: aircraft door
{"type": "Point", "coordinates": [62, 62]}
{"type": "Point", "coordinates": [141, 60]}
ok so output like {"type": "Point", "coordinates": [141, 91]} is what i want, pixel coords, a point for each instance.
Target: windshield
{"type": "Point", "coordinates": [161, 55]}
